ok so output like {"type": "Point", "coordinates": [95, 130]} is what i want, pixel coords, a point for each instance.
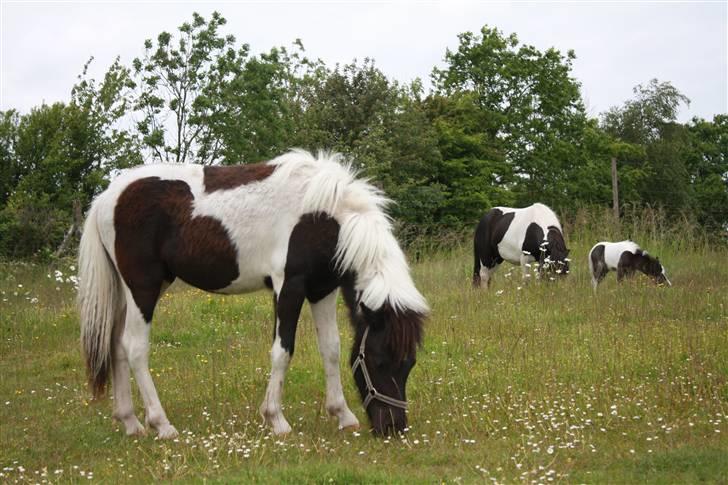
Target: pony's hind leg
{"type": "Point", "coordinates": [600, 271]}
{"type": "Point", "coordinates": [136, 343]}
{"type": "Point", "coordinates": [327, 332]}
{"type": "Point", "coordinates": [288, 307]}
{"type": "Point", "coordinates": [121, 383]}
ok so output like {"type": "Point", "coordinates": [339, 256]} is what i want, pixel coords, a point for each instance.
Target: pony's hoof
{"type": "Point", "coordinates": [136, 430]}
{"type": "Point", "coordinates": [167, 432]}
{"type": "Point", "coordinates": [132, 426]}
{"type": "Point", "coordinates": [282, 430]}
{"type": "Point", "coordinates": [351, 428]}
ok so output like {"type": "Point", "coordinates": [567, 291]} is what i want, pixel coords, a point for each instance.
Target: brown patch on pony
{"type": "Point", "coordinates": [157, 240]}
{"type": "Point", "coordinates": [405, 330]}
{"type": "Point", "coordinates": [224, 178]}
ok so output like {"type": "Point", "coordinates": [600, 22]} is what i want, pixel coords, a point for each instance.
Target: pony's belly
{"type": "Point", "coordinates": [244, 284]}
{"type": "Point", "coordinates": [252, 277]}
{"type": "Point", "coordinates": [510, 253]}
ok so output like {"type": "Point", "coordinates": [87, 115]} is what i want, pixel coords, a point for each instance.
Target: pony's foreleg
{"type": "Point", "coordinates": [324, 316]}
{"type": "Point", "coordinates": [526, 260]}
{"type": "Point", "coordinates": [624, 272]}
{"type": "Point", "coordinates": [288, 307]}
{"type": "Point", "coordinates": [123, 404]}
{"type": "Point", "coordinates": [136, 343]}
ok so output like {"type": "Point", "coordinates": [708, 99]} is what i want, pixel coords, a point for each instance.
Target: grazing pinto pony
{"type": "Point", "coordinates": [520, 236]}
{"type": "Point", "coordinates": [625, 257]}
{"type": "Point", "coordinates": [300, 226]}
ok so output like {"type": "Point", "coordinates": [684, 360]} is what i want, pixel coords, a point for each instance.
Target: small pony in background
{"type": "Point", "coordinates": [520, 236]}
{"type": "Point", "coordinates": [626, 257]}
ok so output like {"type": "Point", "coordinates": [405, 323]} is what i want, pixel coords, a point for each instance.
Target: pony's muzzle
{"type": "Point", "coordinates": [387, 420]}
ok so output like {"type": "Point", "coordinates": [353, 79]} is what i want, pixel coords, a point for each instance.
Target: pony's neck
{"type": "Point", "coordinates": [556, 246]}
{"type": "Point", "coordinates": [348, 291]}
{"type": "Point", "coordinates": [645, 263]}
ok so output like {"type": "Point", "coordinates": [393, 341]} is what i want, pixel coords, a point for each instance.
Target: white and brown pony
{"type": "Point", "coordinates": [519, 236]}
{"type": "Point", "coordinates": [626, 258]}
{"type": "Point", "coordinates": [300, 226]}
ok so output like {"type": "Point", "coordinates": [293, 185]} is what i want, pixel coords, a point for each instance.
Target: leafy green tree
{"type": "Point", "coordinates": [9, 121]}
{"type": "Point", "coordinates": [650, 147]}
{"type": "Point", "coordinates": [382, 125]}
{"type": "Point", "coordinates": [400, 153]}
{"type": "Point", "coordinates": [529, 111]}
{"type": "Point", "coordinates": [61, 155]}
{"type": "Point", "coordinates": [262, 105]}
{"type": "Point", "coordinates": [473, 172]}
{"type": "Point", "coordinates": [341, 106]}
{"type": "Point", "coordinates": [180, 89]}
{"type": "Point", "coordinates": [707, 166]}
{"type": "Point", "coordinates": [526, 94]}
{"type": "Point", "coordinates": [641, 120]}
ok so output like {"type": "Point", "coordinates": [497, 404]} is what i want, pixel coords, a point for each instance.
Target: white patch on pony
{"type": "Point", "coordinates": [525, 261]}
{"type": "Point", "coordinates": [324, 316]}
{"type": "Point", "coordinates": [613, 251]}
{"type": "Point", "coordinates": [123, 404]}
{"type": "Point", "coordinates": [271, 408]}
{"type": "Point", "coordinates": [485, 274]}
{"type": "Point", "coordinates": [511, 246]}
{"type": "Point", "coordinates": [136, 344]}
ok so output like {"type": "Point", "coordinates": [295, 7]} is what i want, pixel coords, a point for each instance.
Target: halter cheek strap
{"type": "Point", "coordinates": [372, 393]}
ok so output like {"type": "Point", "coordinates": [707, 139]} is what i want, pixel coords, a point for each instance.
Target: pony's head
{"type": "Point", "coordinates": [651, 266]}
{"type": "Point", "coordinates": [384, 353]}
{"type": "Point", "coordinates": [557, 254]}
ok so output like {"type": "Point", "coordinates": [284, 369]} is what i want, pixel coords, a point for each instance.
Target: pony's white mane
{"type": "Point", "coordinates": [366, 244]}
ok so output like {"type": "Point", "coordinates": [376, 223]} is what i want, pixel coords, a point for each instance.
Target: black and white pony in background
{"type": "Point", "coordinates": [520, 236]}
{"type": "Point", "coordinates": [625, 257]}
{"type": "Point", "coordinates": [300, 226]}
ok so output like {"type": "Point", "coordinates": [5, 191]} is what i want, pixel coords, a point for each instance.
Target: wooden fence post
{"type": "Point", "coordinates": [615, 189]}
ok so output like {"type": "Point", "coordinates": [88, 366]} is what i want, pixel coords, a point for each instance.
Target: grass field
{"type": "Point", "coordinates": [536, 382]}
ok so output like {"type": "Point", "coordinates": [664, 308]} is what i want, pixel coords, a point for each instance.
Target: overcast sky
{"type": "Point", "coordinates": [618, 44]}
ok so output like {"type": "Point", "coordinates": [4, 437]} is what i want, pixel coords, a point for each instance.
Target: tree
{"type": "Point", "coordinates": [517, 105]}
{"type": "Point", "coordinates": [180, 90]}
{"type": "Point", "coordinates": [650, 147]}
{"type": "Point", "coordinates": [473, 171]}
{"type": "Point", "coordinates": [61, 155]}
{"type": "Point", "coordinates": [381, 125]}
{"type": "Point", "coordinates": [261, 108]}
{"type": "Point", "coordinates": [707, 165]}
{"type": "Point", "coordinates": [341, 106]}
{"type": "Point", "coordinates": [9, 121]}
{"type": "Point", "coordinates": [642, 119]}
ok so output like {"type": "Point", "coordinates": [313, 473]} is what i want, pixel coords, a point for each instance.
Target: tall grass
{"type": "Point", "coordinates": [532, 381]}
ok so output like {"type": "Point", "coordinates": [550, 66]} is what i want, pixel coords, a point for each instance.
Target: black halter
{"type": "Point", "coordinates": [372, 393]}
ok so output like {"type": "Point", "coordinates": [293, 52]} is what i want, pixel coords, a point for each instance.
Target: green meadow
{"type": "Point", "coordinates": [532, 381]}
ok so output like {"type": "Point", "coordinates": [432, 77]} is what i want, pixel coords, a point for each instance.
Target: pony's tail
{"type": "Point", "coordinates": [591, 263]}
{"type": "Point", "coordinates": [98, 304]}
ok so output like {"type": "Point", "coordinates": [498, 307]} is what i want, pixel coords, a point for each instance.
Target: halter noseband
{"type": "Point", "coordinates": [372, 393]}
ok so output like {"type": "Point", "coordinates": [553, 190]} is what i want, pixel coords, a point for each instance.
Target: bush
{"type": "Point", "coordinates": [31, 226]}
